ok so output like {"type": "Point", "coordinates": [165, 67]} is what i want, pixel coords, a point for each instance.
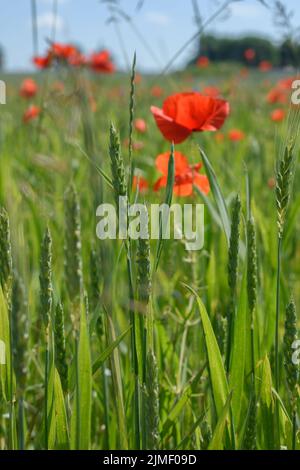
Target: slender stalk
{"type": "Point", "coordinates": [278, 274]}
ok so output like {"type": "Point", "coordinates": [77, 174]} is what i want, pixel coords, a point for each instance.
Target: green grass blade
{"type": "Point", "coordinates": [62, 436]}
{"type": "Point", "coordinates": [218, 436]}
{"type": "Point", "coordinates": [84, 390]}
{"type": "Point", "coordinates": [168, 201]}
{"type": "Point", "coordinates": [107, 352]}
{"type": "Point", "coordinates": [216, 367]}
{"type": "Point", "coordinates": [217, 193]}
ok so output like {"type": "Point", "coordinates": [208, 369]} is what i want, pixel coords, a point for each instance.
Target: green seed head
{"type": "Point", "coordinates": [117, 165]}
{"type": "Point", "coordinates": [283, 185]}
{"type": "Point", "coordinates": [5, 254]}
{"type": "Point", "coordinates": [143, 275]}
{"type": "Point", "coordinates": [290, 335]}
{"type": "Point", "coordinates": [73, 260]}
{"type": "Point", "coordinates": [20, 331]}
{"type": "Point", "coordinates": [60, 346]}
{"type": "Point", "coordinates": [45, 278]}
{"type": "Point", "coordinates": [234, 246]}
{"type": "Point", "coordinates": [251, 265]}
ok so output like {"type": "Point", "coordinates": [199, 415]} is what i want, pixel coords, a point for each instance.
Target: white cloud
{"type": "Point", "coordinates": [246, 10]}
{"type": "Point", "coordinates": [47, 20]}
{"type": "Point", "coordinates": [157, 18]}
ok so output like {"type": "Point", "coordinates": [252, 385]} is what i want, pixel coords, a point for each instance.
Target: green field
{"type": "Point", "coordinates": [108, 345]}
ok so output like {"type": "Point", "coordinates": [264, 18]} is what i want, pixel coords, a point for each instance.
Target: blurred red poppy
{"type": "Point", "coordinates": [28, 88]}
{"type": "Point", "coordinates": [277, 115]}
{"type": "Point", "coordinates": [265, 66]}
{"type": "Point", "coordinates": [219, 137]}
{"type": "Point", "coordinates": [185, 175]}
{"type": "Point", "coordinates": [141, 183]}
{"type": "Point", "coordinates": [140, 125]}
{"type": "Point", "coordinates": [63, 51]}
{"type": "Point", "coordinates": [42, 62]}
{"type": "Point", "coordinates": [236, 135]}
{"type": "Point", "coordinates": [156, 91]}
{"type": "Point", "coordinates": [101, 62]}
{"type": "Point", "coordinates": [184, 113]}
{"type": "Point", "coordinates": [211, 91]}
{"type": "Point", "coordinates": [249, 54]}
{"type": "Point", "coordinates": [277, 95]}
{"type": "Point", "coordinates": [31, 113]}
{"type": "Point", "coordinates": [138, 78]}
{"type": "Point", "coordinates": [203, 61]}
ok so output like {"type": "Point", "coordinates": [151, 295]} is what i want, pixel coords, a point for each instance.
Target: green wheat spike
{"type": "Point", "coordinates": [73, 259]}
{"type": "Point", "coordinates": [5, 255]}
{"type": "Point", "coordinates": [60, 346]}
{"type": "Point", "coordinates": [20, 331]}
{"type": "Point", "coordinates": [290, 336]}
{"type": "Point", "coordinates": [234, 246]}
{"type": "Point", "coordinates": [283, 185]}
{"type": "Point", "coordinates": [45, 278]}
{"type": "Point", "coordinates": [251, 266]}
{"type": "Point", "coordinates": [117, 165]}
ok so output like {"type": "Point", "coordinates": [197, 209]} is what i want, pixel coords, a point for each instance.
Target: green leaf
{"type": "Point", "coordinates": [175, 412]}
{"type": "Point", "coordinates": [216, 442]}
{"type": "Point", "coordinates": [168, 201]}
{"type": "Point", "coordinates": [81, 416]}
{"type": "Point", "coordinates": [5, 365]}
{"type": "Point", "coordinates": [62, 436]}
{"type": "Point", "coordinates": [218, 196]}
{"type": "Point", "coordinates": [216, 368]}
{"type": "Point", "coordinates": [117, 385]}
{"type": "Point", "coordinates": [107, 352]}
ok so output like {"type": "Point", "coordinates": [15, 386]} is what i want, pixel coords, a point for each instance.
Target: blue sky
{"type": "Point", "coordinates": [164, 24]}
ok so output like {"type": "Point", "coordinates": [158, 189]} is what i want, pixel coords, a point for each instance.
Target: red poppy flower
{"type": "Point", "coordinates": [277, 115]}
{"type": "Point", "coordinates": [272, 183]}
{"type": "Point", "coordinates": [277, 95]}
{"type": "Point", "coordinates": [185, 175]}
{"type": "Point", "coordinates": [265, 66]}
{"type": "Point", "coordinates": [42, 62]}
{"type": "Point", "coordinates": [156, 91]}
{"type": "Point", "coordinates": [138, 78]}
{"type": "Point", "coordinates": [249, 54]}
{"type": "Point", "coordinates": [184, 113]}
{"type": "Point", "coordinates": [77, 59]}
{"type": "Point", "coordinates": [141, 183]}
{"type": "Point", "coordinates": [203, 61]}
{"type": "Point", "coordinates": [211, 91]}
{"type": "Point", "coordinates": [286, 83]}
{"type": "Point", "coordinates": [140, 125]}
{"type": "Point", "coordinates": [235, 135]}
{"type": "Point", "coordinates": [219, 137]}
{"type": "Point", "coordinates": [31, 113]}
{"type": "Point", "coordinates": [63, 51]}
{"type": "Point", "coordinates": [101, 62]}
{"type": "Point", "coordinates": [244, 72]}
{"type": "Point", "coordinates": [28, 88]}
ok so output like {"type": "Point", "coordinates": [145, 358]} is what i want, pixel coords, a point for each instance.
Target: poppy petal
{"type": "Point", "coordinates": [185, 189]}
{"type": "Point", "coordinates": [201, 181]}
{"type": "Point", "coordinates": [170, 130]}
{"type": "Point", "coordinates": [160, 183]}
{"type": "Point", "coordinates": [162, 162]}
